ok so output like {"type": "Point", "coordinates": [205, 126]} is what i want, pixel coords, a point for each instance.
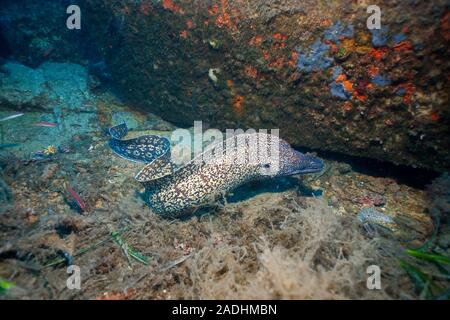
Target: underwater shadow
{"type": "Point", "coordinates": [274, 185]}
{"type": "Point", "coordinates": [417, 178]}
{"type": "Point", "coordinates": [252, 189]}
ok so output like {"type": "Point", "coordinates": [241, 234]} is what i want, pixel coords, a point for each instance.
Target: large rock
{"type": "Point", "coordinates": [310, 68]}
{"type": "Point", "coordinates": [58, 93]}
{"type": "Point", "coordinates": [66, 95]}
{"type": "Point", "coordinates": [66, 84]}
{"type": "Point", "coordinates": [35, 31]}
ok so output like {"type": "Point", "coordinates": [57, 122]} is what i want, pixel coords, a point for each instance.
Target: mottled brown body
{"type": "Point", "coordinates": [204, 179]}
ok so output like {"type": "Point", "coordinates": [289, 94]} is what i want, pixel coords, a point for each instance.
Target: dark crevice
{"type": "Point", "coordinates": [414, 177]}
{"type": "Point", "coordinates": [5, 49]}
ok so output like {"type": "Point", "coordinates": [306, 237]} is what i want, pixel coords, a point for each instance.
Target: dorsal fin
{"type": "Point", "coordinates": [142, 149]}
{"type": "Point", "coordinates": [157, 169]}
{"type": "Point", "coordinates": [119, 131]}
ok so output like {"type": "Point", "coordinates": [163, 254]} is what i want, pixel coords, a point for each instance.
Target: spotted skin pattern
{"type": "Point", "coordinates": [143, 149]}
{"type": "Point", "coordinates": [119, 131]}
{"type": "Point", "coordinates": [174, 192]}
{"type": "Point", "coordinates": [203, 179]}
{"type": "Point", "coordinates": [194, 185]}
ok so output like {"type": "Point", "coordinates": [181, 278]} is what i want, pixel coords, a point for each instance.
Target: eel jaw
{"type": "Point", "coordinates": [308, 164]}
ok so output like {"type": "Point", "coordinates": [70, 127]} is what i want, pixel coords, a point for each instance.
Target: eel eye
{"type": "Point", "coordinates": [267, 165]}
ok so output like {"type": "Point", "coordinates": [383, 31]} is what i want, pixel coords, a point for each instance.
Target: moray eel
{"type": "Point", "coordinates": [143, 149]}
{"type": "Point", "coordinates": [173, 191]}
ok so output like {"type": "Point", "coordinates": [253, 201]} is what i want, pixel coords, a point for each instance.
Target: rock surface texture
{"type": "Point", "coordinates": [35, 31]}
{"type": "Point", "coordinates": [312, 69]}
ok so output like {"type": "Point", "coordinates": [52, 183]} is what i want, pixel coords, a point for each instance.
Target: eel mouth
{"type": "Point", "coordinates": [308, 171]}
{"type": "Point", "coordinates": [310, 164]}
